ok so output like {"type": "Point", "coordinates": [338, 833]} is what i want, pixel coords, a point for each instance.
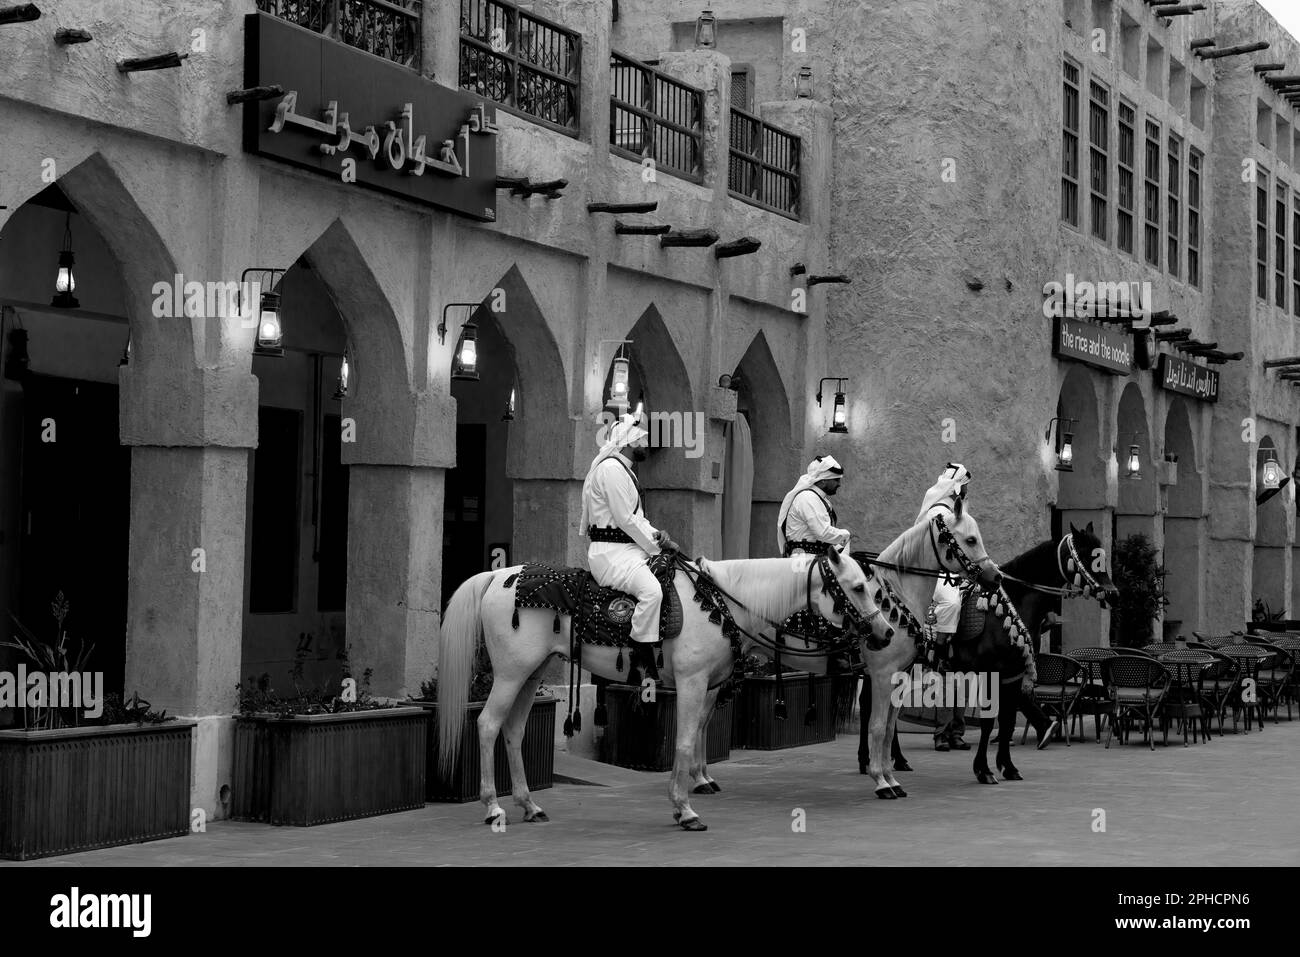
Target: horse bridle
{"type": "Point", "coordinates": [953, 550]}
{"type": "Point", "coordinates": [1067, 543]}
{"type": "Point", "coordinates": [840, 603]}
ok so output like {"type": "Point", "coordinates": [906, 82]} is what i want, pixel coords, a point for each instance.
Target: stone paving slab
{"type": "Point", "coordinates": [1234, 800]}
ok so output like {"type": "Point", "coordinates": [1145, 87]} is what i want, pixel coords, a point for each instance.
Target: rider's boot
{"type": "Point", "coordinates": [643, 657]}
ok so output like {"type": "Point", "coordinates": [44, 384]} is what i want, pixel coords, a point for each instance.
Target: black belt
{"type": "Point", "coordinates": [812, 548]}
{"type": "Point", "coordinates": [598, 534]}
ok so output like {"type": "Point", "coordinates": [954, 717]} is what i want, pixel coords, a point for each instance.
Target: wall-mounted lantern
{"type": "Point", "coordinates": [706, 33]}
{"type": "Point", "coordinates": [1271, 472]}
{"type": "Point", "coordinates": [464, 365]}
{"type": "Point", "coordinates": [342, 391]}
{"type": "Point", "coordinates": [1133, 460]}
{"type": "Point", "coordinates": [65, 284]}
{"type": "Point", "coordinates": [1064, 442]}
{"type": "Point", "coordinates": [803, 85]}
{"type": "Point", "coordinates": [270, 329]}
{"type": "Point", "coordinates": [839, 411]}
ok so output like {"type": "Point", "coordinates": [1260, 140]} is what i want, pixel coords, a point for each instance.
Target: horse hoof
{"type": "Point", "coordinates": [693, 824]}
{"type": "Point", "coordinates": [1010, 774]}
{"type": "Point", "coordinates": [986, 777]}
{"type": "Point", "coordinates": [898, 792]}
{"type": "Point", "coordinates": [492, 818]}
{"type": "Point", "coordinates": [716, 786]}
{"type": "Point", "coordinates": [901, 766]}
{"type": "Point", "coordinates": [702, 789]}
{"type": "Point", "coordinates": [538, 818]}
{"type": "Point", "coordinates": [886, 794]}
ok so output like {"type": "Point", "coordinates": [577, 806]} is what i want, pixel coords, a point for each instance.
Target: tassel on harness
{"type": "Point", "coordinates": [618, 662]}
{"type": "Point", "coordinates": [514, 620]}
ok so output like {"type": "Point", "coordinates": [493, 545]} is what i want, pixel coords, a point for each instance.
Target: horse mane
{"type": "Point", "coordinates": [908, 549]}
{"type": "Point", "coordinates": [770, 588]}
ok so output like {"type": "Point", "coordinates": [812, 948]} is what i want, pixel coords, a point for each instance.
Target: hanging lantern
{"type": "Point", "coordinates": [1272, 473]}
{"type": "Point", "coordinates": [706, 34]}
{"type": "Point", "coordinates": [509, 414]}
{"type": "Point", "coordinates": [1065, 457]}
{"type": "Point", "coordinates": [342, 391]}
{"type": "Point", "coordinates": [803, 85]}
{"type": "Point", "coordinates": [618, 395]}
{"type": "Point", "coordinates": [65, 284]}
{"type": "Point", "coordinates": [1134, 463]}
{"type": "Point", "coordinates": [839, 417]}
{"type": "Point", "coordinates": [270, 333]}
{"type": "Point", "coordinates": [464, 365]}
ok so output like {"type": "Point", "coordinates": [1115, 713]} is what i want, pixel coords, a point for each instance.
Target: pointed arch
{"type": "Point", "coordinates": [1137, 496]}
{"type": "Point", "coordinates": [763, 398]}
{"type": "Point", "coordinates": [1085, 486]}
{"type": "Point", "coordinates": [1186, 499]}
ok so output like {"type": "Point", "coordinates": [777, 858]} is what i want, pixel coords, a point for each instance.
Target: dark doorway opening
{"type": "Point", "coordinates": [463, 516]}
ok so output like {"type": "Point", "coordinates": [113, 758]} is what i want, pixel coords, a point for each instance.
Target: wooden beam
{"type": "Point", "coordinates": [689, 237]}
{"type": "Point", "coordinates": [1173, 335]}
{"type": "Point", "coordinates": [1182, 10]}
{"type": "Point", "coordinates": [818, 280]}
{"type": "Point", "coordinates": [738, 247]}
{"type": "Point", "coordinates": [1232, 51]}
{"type": "Point", "coordinates": [1269, 67]}
{"type": "Point", "coordinates": [1163, 318]}
{"type": "Point", "coordinates": [631, 229]}
{"type": "Point", "coordinates": [1219, 358]}
{"type": "Point", "coordinates": [1278, 363]}
{"type": "Point", "coordinates": [623, 207]}
{"type": "Point", "coordinates": [23, 13]}
{"type": "Point", "coordinates": [163, 61]}
{"type": "Point", "coordinates": [1202, 44]}
{"type": "Point", "coordinates": [254, 93]}
{"type": "Point", "coordinates": [65, 36]}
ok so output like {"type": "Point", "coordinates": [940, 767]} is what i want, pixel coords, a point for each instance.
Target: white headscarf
{"type": "Point", "coordinates": [822, 467]}
{"type": "Point", "coordinates": [626, 431]}
{"type": "Point", "coordinates": [945, 491]}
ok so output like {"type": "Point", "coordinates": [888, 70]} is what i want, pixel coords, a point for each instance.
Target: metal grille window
{"type": "Point", "coordinates": [520, 61]}
{"type": "Point", "coordinates": [1261, 235]}
{"type": "Point", "coordinates": [1070, 145]}
{"type": "Point", "coordinates": [1279, 246]}
{"type": "Point", "coordinates": [764, 164]}
{"type": "Point", "coordinates": [1295, 254]}
{"type": "Point", "coordinates": [1099, 156]}
{"type": "Point", "coordinates": [387, 28]}
{"type": "Point", "coordinates": [1173, 222]}
{"type": "Point", "coordinates": [1151, 204]}
{"type": "Point", "coordinates": [1194, 217]}
{"type": "Point", "coordinates": [654, 116]}
{"type": "Point", "coordinates": [1124, 200]}
{"type": "Point", "coordinates": [741, 88]}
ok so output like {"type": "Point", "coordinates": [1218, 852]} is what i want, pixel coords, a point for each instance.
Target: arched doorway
{"type": "Point", "coordinates": [1081, 498]}
{"type": "Point", "coordinates": [295, 565]}
{"type": "Point", "coordinates": [1269, 567]}
{"type": "Point", "coordinates": [1184, 524]}
{"type": "Point", "coordinates": [65, 491]}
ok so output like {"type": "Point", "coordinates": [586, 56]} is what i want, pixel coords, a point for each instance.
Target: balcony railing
{"type": "Point", "coordinates": [386, 28]}
{"type": "Point", "coordinates": [652, 115]}
{"type": "Point", "coordinates": [522, 62]}
{"type": "Point", "coordinates": [764, 164]}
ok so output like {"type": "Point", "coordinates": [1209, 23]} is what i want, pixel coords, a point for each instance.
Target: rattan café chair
{"type": "Point", "coordinates": [1186, 699]}
{"type": "Point", "coordinates": [1137, 686]}
{"type": "Point", "coordinates": [1093, 698]}
{"type": "Point", "coordinates": [1057, 688]}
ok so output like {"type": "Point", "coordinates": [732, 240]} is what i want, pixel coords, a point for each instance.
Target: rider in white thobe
{"type": "Point", "coordinates": [806, 521]}
{"type": "Point", "coordinates": [621, 537]}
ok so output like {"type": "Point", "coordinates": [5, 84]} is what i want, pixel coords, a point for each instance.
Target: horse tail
{"type": "Point", "coordinates": [462, 629]}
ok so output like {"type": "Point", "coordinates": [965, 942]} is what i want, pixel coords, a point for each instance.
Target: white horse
{"type": "Point", "coordinates": [925, 546]}
{"type": "Point", "coordinates": [763, 591]}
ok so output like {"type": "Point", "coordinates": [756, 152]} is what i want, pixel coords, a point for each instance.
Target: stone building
{"type": "Point", "coordinates": [988, 152]}
{"type": "Point", "coordinates": [211, 510]}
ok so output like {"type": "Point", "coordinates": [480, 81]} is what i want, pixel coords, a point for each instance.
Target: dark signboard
{"type": "Point", "coordinates": [1179, 375]}
{"type": "Point", "coordinates": [1093, 344]}
{"type": "Point", "coordinates": [361, 119]}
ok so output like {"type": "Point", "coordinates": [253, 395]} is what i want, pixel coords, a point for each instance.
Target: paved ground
{"type": "Point", "coordinates": [1234, 800]}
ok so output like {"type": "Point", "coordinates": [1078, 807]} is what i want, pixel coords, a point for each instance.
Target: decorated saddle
{"type": "Point", "coordinates": [600, 616]}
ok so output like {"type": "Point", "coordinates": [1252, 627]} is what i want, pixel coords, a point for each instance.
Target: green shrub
{"type": "Point", "coordinates": [1140, 578]}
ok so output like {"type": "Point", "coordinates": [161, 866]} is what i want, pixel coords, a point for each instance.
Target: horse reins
{"type": "Point", "coordinates": [1068, 590]}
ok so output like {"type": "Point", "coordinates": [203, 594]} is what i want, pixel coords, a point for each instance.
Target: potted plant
{"type": "Point", "coordinates": [643, 734]}
{"type": "Point", "coordinates": [98, 772]}
{"type": "Point", "coordinates": [1137, 573]}
{"type": "Point", "coordinates": [809, 703]}
{"type": "Point", "coordinates": [463, 783]}
{"type": "Point", "coordinates": [324, 754]}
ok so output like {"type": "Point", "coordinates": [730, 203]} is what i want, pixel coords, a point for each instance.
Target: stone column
{"type": "Point", "coordinates": [440, 28]}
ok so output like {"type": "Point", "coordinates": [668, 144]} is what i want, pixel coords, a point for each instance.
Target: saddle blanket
{"type": "Point", "coordinates": [600, 616]}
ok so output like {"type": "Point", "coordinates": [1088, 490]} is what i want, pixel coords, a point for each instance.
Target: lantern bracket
{"type": "Point", "coordinates": [442, 326]}
{"type": "Point", "coordinates": [1057, 418]}
{"type": "Point", "coordinates": [830, 378]}
{"type": "Point", "coordinates": [271, 271]}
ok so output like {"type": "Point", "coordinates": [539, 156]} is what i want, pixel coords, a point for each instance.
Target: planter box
{"type": "Point", "coordinates": [756, 726]}
{"type": "Point", "coordinates": [463, 784]}
{"type": "Point", "coordinates": [320, 768]}
{"type": "Point", "coordinates": [645, 738]}
{"type": "Point", "coordinates": [76, 789]}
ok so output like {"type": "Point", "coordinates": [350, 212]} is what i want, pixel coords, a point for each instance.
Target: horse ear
{"type": "Point", "coordinates": [1073, 530]}
{"type": "Point", "coordinates": [1089, 530]}
{"type": "Point", "coordinates": [833, 554]}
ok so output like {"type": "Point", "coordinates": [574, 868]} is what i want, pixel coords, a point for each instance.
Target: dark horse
{"type": "Point", "coordinates": [982, 643]}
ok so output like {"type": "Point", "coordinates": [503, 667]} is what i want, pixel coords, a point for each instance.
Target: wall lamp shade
{"type": "Point", "coordinates": [270, 331]}
{"type": "Point", "coordinates": [65, 283]}
{"type": "Point", "coordinates": [706, 30]}
{"type": "Point", "coordinates": [464, 365]}
{"type": "Point", "coordinates": [1271, 473]}
{"type": "Point", "coordinates": [1065, 457]}
{"type": "Point", "coordinates": [342, 391]}
{"type": "Point", "coordinates": [618, 386]}
{"type": "Point", "coordinates": [839, 416]}
{"type": "Point", "coordinates": [803, 85]}
{"type": "Point", "coordinates": [1134, 470]}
